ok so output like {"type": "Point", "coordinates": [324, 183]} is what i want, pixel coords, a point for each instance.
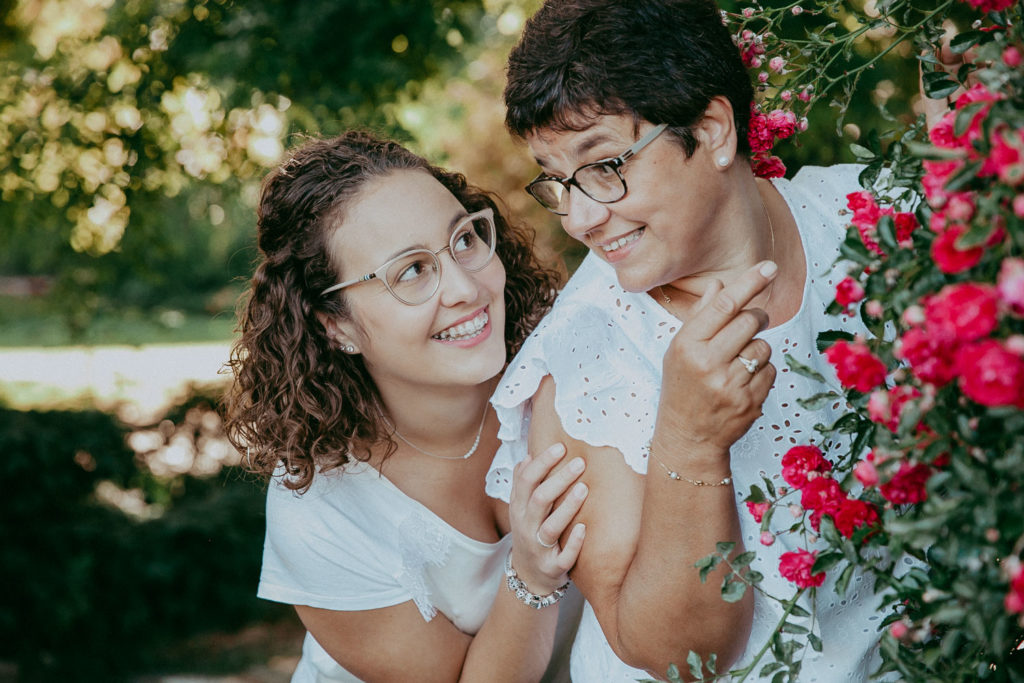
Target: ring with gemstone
{"type": "Point", "coordinates": [749, 363]}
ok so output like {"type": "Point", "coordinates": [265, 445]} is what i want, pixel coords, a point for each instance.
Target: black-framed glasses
{"type": "Point", "coordinates": [413, 277]}
{"type": "Point", "coordinates": [601, 180]}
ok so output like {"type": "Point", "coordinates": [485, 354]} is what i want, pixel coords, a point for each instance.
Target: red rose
{"type": "Point", "coordinates": [991, 5]}
{"type": "Point", "coordinates": [962, 312]}
{"type": "Point", "coordinates": [768, 166]}
{"type": "Point", "coordinates": [758, 510]}
{"type": "Point", "coordinates": [932, 360]}
{"type": "Point", "coordinates": [866, 473]}
{"type": "Point", "coordinates": [991, 374]}
{"type": "Point", "coordinates": [853, 513]}
{"type": "Point", "coordinates": [1015, 597]}
{"type": "Point", "coordinates": [848, 291]}
{"type": "Point", "coordinates": [886, 406]}
{"type": "Point", "coordinates": [948, 257]}
{"type": "Point", "coordinates": [856, 367]}
{"type": "Point", "coordinates": [907, 485]}
{"type": "Point", "coordinates": [821, 495]}
{"type": "Point", "coordinates": [796, 566]}
{"type": "Point", "coordinates": [905, 223]}
{"type": "Point", "coordinates": [799, 461]}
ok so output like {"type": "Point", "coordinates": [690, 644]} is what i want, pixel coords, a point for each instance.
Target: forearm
{"type": "Point", "coordinates": [664, 610]}
{"type": "Point", "coordinates": [514, 643]}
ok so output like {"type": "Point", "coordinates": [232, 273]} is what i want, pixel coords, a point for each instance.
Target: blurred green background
{"type": "Point", "coordinates": [133, 136]}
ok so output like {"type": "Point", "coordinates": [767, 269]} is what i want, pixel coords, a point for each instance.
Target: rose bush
{"type": "Point", "coordinates": [928, 460]}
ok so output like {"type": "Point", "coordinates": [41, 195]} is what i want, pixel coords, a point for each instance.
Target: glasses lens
{"type": "Point", "coordinates": [601, 182]}
{"type": "Point", "coordinates": [472, 243]}
{"type": "Point", "coordinates": [413, 276]}
{"type": "Point", "coordinates": [549, 193]}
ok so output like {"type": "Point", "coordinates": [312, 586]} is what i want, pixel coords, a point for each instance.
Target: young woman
{"type": "Point", "coordinates": [389, 298]}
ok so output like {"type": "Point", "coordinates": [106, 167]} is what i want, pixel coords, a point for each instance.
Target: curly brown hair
{"type": "Point", "coordinates": [297, 400]}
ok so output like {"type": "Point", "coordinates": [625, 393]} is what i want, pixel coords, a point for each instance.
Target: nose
{"type": "Point", "coordinates": [583, 214]}
{"type": "Point", "coordinates": [458, 285]}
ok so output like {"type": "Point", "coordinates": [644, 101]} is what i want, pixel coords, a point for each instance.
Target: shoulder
{"type": "Point", "coordinates": [824, 187]}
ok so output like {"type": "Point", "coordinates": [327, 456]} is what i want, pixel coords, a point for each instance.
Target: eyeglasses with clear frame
{"type": "Point", "coordinates": [601, 180]}
{"type": "Point", "coordinates": [414, 276]}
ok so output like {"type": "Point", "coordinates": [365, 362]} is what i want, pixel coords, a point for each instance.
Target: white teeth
{"type": "Point", "coordinates": [623, 241]}
{"type": "Point", "coordinates": [466, 330]}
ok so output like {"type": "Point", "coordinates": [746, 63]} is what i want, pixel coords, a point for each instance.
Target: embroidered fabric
{"type": "Point", "coordinates": [423, 542]}
{"type": "Point", "coordinates": [604, 346]}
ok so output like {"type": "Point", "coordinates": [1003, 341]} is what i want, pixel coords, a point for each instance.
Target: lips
{"type": "Point", "coordinates": [465, 330]}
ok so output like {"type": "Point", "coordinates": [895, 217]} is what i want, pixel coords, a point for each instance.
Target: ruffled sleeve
{"type": "Point", "coordinates": [603, 387]}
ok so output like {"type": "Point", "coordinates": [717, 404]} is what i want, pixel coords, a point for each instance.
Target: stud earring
{"type": "Point", "coordinates": [348, 348]}
{"type": "Point", "coordinates": [723, 161]}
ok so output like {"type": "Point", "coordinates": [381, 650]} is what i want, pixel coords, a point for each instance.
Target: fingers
{"type": "Point", "coordinates": [560, 518]}
{"type": "Point", "coordinates": [571, 550]}
{"type": "Point", "coordinates": [529, 473]}
{"type": "Point", "coordinates": [725, 304]}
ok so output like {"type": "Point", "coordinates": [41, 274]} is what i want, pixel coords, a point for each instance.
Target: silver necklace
{"type": "Point", "coordinates": [771, 231]}
{"type": "Point", "coordinates": [471, 451]}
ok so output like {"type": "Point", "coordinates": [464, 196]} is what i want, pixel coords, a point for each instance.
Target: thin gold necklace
{"type": "Point", "coordinates": [471, 451]}
{"type": "Point", "coordinates": [771, 231]}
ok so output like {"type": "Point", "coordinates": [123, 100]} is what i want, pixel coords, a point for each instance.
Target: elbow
{"type": "Point", "coordinates": [726, 640]}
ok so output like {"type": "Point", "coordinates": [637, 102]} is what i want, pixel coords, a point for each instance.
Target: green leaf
{"type": "Point", "coordinates": [887, 233]}
{"type": "Point", "coordinates": [964, 117]}
{"type": "Point", "coordinates": [797, 629]}
{"type": "Point", "coordinates": [843, 582]}
{"type": "Point", "coordinates": [938, 84]}
{"type": "Point", "coordinates": [756, 495]}
{"type": "Point", "coordinates": [744, 559]}
{"type": "Point", "coordinates": [819, 401]}
{"type": "Point", "coordinates": [861, 152]}
{"type": "Point", "coordinates": [804, 370]}
{"type": "Point", "coordinates": [963, 42]}
{"type": "Point", "coordinates": [732, 591]}
{"type": "Point", "coordinates": [964, 176]}
{"type": "Point", "coordinates": [853, 249]}
{"type": "Point", "coordinates": [814, 641]}
{"type": "Point", "coordinates": [830, 337]}
{"type": "Point", "coordinates": [724, 547]}
{"type": "Point", "coordinates": [696, 667]}
{"type": "Point", "coordinates": [826, 561]}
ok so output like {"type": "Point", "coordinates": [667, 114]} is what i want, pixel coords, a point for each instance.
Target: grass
{"type": "Point", "coordinates": [26, 322]}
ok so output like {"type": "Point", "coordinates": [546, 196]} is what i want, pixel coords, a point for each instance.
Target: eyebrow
{"type": "Point", "coordinates": [458, 218]}
{"type": "Point", "coordinates": [596, 139]}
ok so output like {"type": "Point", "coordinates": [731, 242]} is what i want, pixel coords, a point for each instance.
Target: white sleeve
{"type": "Point", "coordinates": [326, 549]}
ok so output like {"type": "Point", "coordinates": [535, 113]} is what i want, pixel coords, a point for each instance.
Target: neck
{"type": "Point", "coordinates": [443, 422]}
{"type": "Point", "coordinates": [746, 233]}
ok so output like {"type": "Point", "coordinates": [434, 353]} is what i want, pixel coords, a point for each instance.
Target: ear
{"type": "Point", "coordinates": [716, 132]}
{"type": "Point", "coordinates": [344, 333]}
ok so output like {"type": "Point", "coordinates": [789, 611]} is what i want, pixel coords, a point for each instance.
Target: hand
{"type": "Point", "coordinates": [537, 523]}
{"type": "Point", "coordinates": [708, 396]}
{"type": "Point", "coordinates": [950, 62]}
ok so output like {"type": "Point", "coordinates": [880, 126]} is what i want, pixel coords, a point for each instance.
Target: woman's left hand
{"type": "Point", "coordinates": [538, 522]}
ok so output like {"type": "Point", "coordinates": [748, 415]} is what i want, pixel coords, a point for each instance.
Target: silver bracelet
{"type": "Point", "coordinates": [523, 593]}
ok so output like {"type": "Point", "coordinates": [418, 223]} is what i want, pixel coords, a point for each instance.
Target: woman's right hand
{"type": "Point", "coordinates": [543, 503]}
{"type": "Point", "coordinates": [709, 398]}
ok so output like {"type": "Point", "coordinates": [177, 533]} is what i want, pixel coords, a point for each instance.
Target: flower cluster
{"type": "Point", "coordinates": [928, 459]}
{"type": "Point", "coordinates": [764, 131]}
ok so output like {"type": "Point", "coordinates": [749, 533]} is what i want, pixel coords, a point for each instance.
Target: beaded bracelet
{"type": "Point", "coordinates": [675, 476]}
{"type": "Point", "coordinates": [524, 595]}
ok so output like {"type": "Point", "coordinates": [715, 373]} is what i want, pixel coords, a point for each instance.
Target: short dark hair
{"type": "Point", "coordinates": [297, 400]}
{"type": "Point", "coordinates": [658, 60]}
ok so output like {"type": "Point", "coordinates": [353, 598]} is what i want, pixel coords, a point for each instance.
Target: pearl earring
{"type": "Point", "coordinates": [723, 161]}
{"type": "Point", "coordinates": [348, 348]}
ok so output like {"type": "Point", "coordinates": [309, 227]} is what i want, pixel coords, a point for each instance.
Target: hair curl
{"type": "Point", "coordinates": [658, 60]}
{"type": "Point", "coordinates": [296, 399]}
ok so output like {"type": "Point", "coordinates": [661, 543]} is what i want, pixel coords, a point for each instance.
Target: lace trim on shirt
{"type": "Point", "coordinates": [423, 542]}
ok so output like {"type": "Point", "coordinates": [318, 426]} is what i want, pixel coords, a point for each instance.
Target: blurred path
{"type": "Point", "coordinates": [145, 379]}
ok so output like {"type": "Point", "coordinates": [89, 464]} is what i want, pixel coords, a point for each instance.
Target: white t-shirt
{"type": "Point", "coordinates": [604, 347]}
{"type": "Point", "coordinates": [355, 541]}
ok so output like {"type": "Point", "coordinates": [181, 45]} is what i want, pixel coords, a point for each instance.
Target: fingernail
{"type": "Point", "coordinates": [557, 450]}
{"type": "Point", "coordinates": [576, 465]}
{"type": "Point", "coordinates": [769, 268]}
{"type": "Point", "coordinates": [579, 490]}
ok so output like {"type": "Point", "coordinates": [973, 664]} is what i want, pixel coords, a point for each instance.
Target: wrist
{"type": "Point", "coordinates": [523, 593]}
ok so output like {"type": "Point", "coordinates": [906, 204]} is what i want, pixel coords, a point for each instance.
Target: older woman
{"type": "Point", "coordinates": [389, 296]}
{"type": "Point", "coordinates": [648, 366]}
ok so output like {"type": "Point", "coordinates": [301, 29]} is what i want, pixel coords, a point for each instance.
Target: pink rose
{"type": "Point", "coordinates": [948, 257]}
{"type": "Point", "coordinates": [886, 406]}
{"type": "Point", "coordinates": [898, 630]}
{"type": "Point", "coordinates": [1005, 158]}
{"type": "Point", "coordinates": [866, 473]}
{"type": "Point", "coordinates": [1014, 600]}
{"type": "Point", "coordinates": [991, 374]}
{"type": "Point", "coordinates": [865, 209]}
{"type": "Point", "coordinates": [856, 367]}
{"type": "Point", "coordinates": [781, 122]}
{"type": "Point", "coordinates": [767, 538]}
{"type": "Point", "coordinates": [796, 566]}
{"type": "Point", "coordinates": [907, 485]}
{"type": "Point", "coordinates": [848, 291]}
{"type": "Point", "coordinates": [963, 312]}
{"type": "Point", "coordinates": [768, 166]}
{"type": "Point", "coordinates": [990, 5]}
{"type": "Point", "coordinates": [821, 495]}
{"type": "Point", "coordinates": [799, 461]}
{"type": "Point", "coordinates": [1010, 284]}
{"type": "Point", "coordinates": [1012, 57]}
{"type": "Point", "coordinates": [758, 510]}
{"type": "Point", "coordinates": [932, 360]}
{"type": "Point", "coordinates": [905, 223]}
{"type": "Point", "coordinates": [853, 514]}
